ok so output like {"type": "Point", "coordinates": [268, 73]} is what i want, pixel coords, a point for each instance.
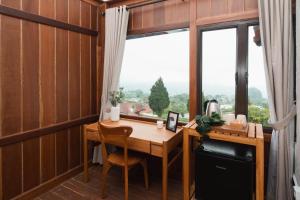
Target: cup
{"type": "Point", "coordinates": [228, 118]}
{"type": "Point", "coordinates": [243, 119]}
{"type": "Point", "coordinates": [160, 124]}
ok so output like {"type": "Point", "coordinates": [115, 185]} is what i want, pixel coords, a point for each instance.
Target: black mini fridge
{"type": "Point", "coordinates": [224, 171]}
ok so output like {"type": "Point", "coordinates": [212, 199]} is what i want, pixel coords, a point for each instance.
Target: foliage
{"type": "Point", "coordinates": [205, 122]}
{"type": "Point", "coordinates": [159, 97]}
{"type": "Point", "coordinates": [255, 96]}
{"type": "Point", "coordinates": [258, 114]}
{"type": "Point", "coordinates": [178, 104]}
{"type": "Point", "coordinates": [116, 97]}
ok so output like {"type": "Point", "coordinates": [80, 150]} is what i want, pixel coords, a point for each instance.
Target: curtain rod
{"type": "Point", "coordinates": [136, 5]}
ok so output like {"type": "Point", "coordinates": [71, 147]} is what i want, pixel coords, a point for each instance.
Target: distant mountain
{"type": "Point", "coordinates": [175, 88]}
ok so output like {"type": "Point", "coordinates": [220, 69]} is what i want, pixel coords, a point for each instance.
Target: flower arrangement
{"type": "Point", "coordinates": [116, 97]}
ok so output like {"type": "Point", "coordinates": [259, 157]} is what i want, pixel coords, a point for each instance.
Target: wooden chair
{"type": "Point", "coordinates": [119, 136]}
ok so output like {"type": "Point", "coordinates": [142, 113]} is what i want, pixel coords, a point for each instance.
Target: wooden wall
{"type": "Point", "coordinates": [175, 14]}
{"type": "Point", "coordinates": [47, 89]}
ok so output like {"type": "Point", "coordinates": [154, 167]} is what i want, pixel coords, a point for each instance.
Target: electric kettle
{"type": "Point", "coordinates": [211, 107]}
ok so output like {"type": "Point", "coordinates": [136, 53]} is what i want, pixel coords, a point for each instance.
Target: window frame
{"type": "Point", "coordinates": [149, 34]}
{"type": "Point", "coordinates": [241, 74]}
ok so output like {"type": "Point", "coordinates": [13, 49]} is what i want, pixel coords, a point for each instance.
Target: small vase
{"type": "Point", "coordinates": [115, 113]}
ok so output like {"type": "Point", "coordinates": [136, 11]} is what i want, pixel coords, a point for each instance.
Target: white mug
{"type": "Point", "coordinates": [160, 124]}
{"type": "Point", "coordinates": [228, 118]}
{"type": "Point", "coordinates": [242, 118]}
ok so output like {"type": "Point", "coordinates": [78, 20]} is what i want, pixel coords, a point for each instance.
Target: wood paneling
{"type": "Point", "coordinates": [86, 75]}
{"type": "Point", "coordinates": [236, 6]}
{"type": "Point", "coordinates": [11, 171]}
{"type": "Point", "coordinates": [10, 72]}
{"type": "Point", "coordinates": [12, 3]}
{"type": "Point", "coordinates": [85, 62]}
{"type": "Point", "coordinates": [75, 147]}
{"type": "Point", "coordinates": [30, 77]}
{"type": "Point", "coordinates": [217, 11]}
{"type": "Point", "coordinates": [203, 8]}
{"type": "Point", "coordinates": [218, 7]}
{"type": "Point", "coordinates": [10, 76]}
{"type": "Point", "coordinates": [42, 68]}
{"type": "Point", "coordinates": [251, 5]}
{"type": "Point", "coordinates": [136, 18]}
{"type": "Point", "coordinates": [47, 89]}
{"type": "Point", "coordinates": [74, 75]}
{"type": "Point", "coordinates": [171, 14]}
{"type": "Point", "coordinates": [11, 12]}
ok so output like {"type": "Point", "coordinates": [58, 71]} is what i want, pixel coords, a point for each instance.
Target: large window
{"type": "Point", "coordinates": [232, 70]}
{"type": "Point", "coordinates": [155, 75]}
{"type": "Point", "coordinates": [219, 63]}
{"type": "Point", "coordinates": [258, 110]}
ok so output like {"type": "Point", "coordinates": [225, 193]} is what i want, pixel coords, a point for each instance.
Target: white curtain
{"type": "Point", "coordinates": [116, 23]}
{"type": "Point", "coordinates": [278, 45]}
{"type": "Point", "coordinates": [297, 148]}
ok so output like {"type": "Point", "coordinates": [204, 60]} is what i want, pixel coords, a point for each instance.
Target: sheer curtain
{"type": "Point", "coordinates": [278, 46]}
{"type": "Point", "coordinates": [116, 23]}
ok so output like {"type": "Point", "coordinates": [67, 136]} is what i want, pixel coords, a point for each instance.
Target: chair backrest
{"type": "Point", "coordinates": [114, 135]}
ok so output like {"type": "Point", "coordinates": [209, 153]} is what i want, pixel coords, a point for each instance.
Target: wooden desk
{"type": "Point", "coordinates": [146, 138]}
{"type": "Point", "coordinates": [255, 138]}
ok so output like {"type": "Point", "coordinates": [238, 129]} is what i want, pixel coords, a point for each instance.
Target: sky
{"type": "Point", "coordinates": [167, 56]}
{"type": "Point", "coordinates": [148, 58]}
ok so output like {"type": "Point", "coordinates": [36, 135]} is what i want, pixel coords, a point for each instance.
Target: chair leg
{"type": "Point", "coordinates": [126, 182]}
{"type": "Point", "coordinates": [145, 166]}
{"type": "Point", "coordinates": [105, 170]}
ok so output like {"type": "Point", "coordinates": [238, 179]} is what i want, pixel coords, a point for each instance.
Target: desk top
{"type": "Point", "coordinates": [255, 132]}
{"type": "Point", "coordinates": [141, 130]}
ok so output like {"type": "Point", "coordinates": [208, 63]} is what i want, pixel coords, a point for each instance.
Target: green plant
{"type": "Point", "coordinates": [159, 97]}
{"type": "Point", "coordinates": [116, 97]}
{"type": "Point", "coordinates": [205, 122]}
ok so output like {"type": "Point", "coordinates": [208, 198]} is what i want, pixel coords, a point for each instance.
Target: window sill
{"type": "Point", "coordinates": [147, 119]}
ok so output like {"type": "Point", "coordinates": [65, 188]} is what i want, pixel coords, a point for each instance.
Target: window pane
{"type": "Point", "coordinates": [146, 60]}
{"type": "Point", "coordinates": [218, 68]}
{"type": "Point", "coordinates": [258, 110]}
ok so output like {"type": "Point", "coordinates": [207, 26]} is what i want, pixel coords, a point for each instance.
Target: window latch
{"type": "Point", "coordinates": [246, 77]}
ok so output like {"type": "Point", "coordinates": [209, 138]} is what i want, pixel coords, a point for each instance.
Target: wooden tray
{"type": "Point", "coordinates": [228, 130]}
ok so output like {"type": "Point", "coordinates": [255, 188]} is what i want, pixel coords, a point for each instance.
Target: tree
{"type": "Point", "coordinates": [159, 97]}
{"type": "Point", "coordinates": [258, 114]}
{"type": "Point", "coordinates": [179, 107]}
{"type": "Point", "coordinates": [255, 95]}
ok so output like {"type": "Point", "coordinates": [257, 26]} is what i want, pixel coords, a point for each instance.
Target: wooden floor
{"type": "Point", "coordinates": [75, 188]}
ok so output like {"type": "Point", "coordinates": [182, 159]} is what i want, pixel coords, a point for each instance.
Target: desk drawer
{"type": "Point", "coordinates": [156, 150]}
{"type": "Point", "coordinates": [139, 145]}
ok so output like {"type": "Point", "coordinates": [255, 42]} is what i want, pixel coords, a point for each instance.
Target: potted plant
{"type": "Point", "coordinates": [116, 97]}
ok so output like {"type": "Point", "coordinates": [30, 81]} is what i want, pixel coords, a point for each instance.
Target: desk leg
{"type": "Point", "coordinates": [165, 172]}
{"type": "Point", "coordinates": [186, 166]}
{"type": "Point", "coordinates": [260, 169]}
{"type": "Point", "coordinates": [85, 155]}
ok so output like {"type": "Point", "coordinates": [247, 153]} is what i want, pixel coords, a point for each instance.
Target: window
{"type": "Point", "coordinates": [258, 110]}
{"type": "Point", "coordinates": [232, 70]}
{"type": "Point", "coordinates": [162, 59]}
{"type": "Point", "coordinates": [216, 85]}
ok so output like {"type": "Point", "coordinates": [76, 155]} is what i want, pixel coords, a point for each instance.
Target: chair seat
{"type": "Point", "coordinates": [117, 158]}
